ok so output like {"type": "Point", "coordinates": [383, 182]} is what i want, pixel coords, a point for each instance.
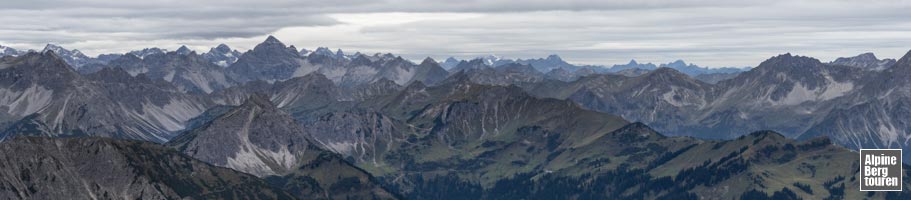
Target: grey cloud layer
{"type": "Point", "coordinates": [712, 32]}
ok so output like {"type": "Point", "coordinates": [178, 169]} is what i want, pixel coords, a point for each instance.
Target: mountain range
{"type": "Point", "coordinates": [554, 62]}
{"type": "Point", "coordinates": [798, 96]}
{"type": "Point", "coordinates": [278, 123]}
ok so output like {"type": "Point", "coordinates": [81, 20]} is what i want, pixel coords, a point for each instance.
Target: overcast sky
{"type": "Point", "coordinates": [705, 32]}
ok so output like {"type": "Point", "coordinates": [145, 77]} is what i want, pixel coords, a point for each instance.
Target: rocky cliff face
{"type": "Point", "coordinates": [222, 55]}
{"type": "Point", "coordinates": [98, 168]}
{"type": "Point", "coordinates": [50, 99]}
{"type": "Point", "coordinates": [876, 115]}
{"type": "Point", "coordinates": [258, 138]}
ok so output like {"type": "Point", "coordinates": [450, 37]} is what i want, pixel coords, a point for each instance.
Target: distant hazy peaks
{"type": "Point", "coordinates": [45, 59]}
{"type": "Point", "coordinates": [554, 57]}
{"type": "Point", "coordinates": [339, 53]}
{"type": "Point", "coordinates": [223, 47]}
{"type": "Point", "coordinates": [677, 63]}
{"type": "Point", "coordinates": [906, 57]}
{"type": "Point", "coordinates": [222, 55]}
{"type": "Point", "coordinates": [866, 56]}
{"type": "Point", "coordinates": [147, 51]}
{"type": "Point", "coordinates": [64, 52]}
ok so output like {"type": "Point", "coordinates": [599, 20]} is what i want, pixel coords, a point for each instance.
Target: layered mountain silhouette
{"type": "Point", "coordinates": [46, 97]}
{"type": "Point", "coordinates": [276, 122]}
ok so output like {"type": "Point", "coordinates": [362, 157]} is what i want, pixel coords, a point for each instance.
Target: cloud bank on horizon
{"type": "Point", "coordinates": [705, 32]}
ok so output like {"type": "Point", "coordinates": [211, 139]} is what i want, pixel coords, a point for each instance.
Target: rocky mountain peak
{"type": "Point", "coordinates": [903, 64]}
{"type": "Point", "coordinates": [147, 51]}
{"type": "Point", "coordinates": [270, 43]}
{"type": "Point", "coordinates": [339, 53]}
{"type": "Point", "coordinates": [398, 60]}
{"type": "Point", "coordinates": [272, 40]}
{"type": "Point", "coordinates": [223, 48]}
{"type": "Point", "coordinates": [788, 61]}
{"type": "Point", "coordinates": [429, 61]}
{"type": "Point", "coordinates": [270, 60]}
{"type": "Point", "coordinates": [222, 55]}
{"type": "Point", "coordinates": [62, 51]}
{"type": "Point", "coordinates": [906, 58]}
{"type": "Point", "coordinates": [678, 62]}
{"type": "Point", "coordinates": [73, 57]}
{"type": "Point", "coordinates": [46, 60]}
{"type": "Point", "coordinates": [554, 57]}
{"type": "Point", "coordinates": [4, 51]}
{"type": "Point", "coordinates": [183, 50]}
{"type": "Point", "coordinates": [866, 61]}
{"type": "Point", "coordinates": [323, 51]}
